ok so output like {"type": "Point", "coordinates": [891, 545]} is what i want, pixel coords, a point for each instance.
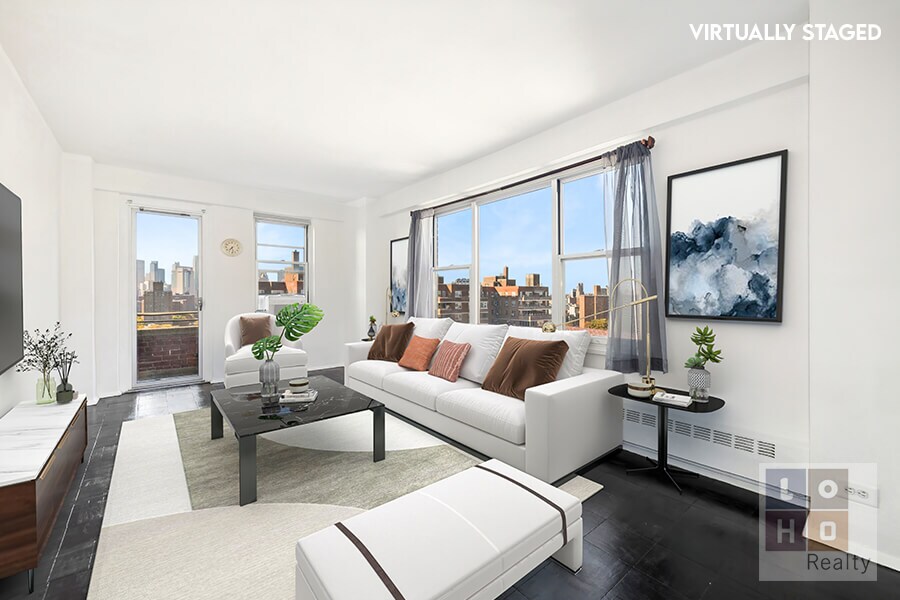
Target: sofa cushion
{"type": "Point", "coordinates": [485, 340]}
{"type": "Point", "coordinates": [422, 388]}
{"type": "Point", "coordinates": [243, 360]}
{"type": "Point", "coordinates": [579, 341]}
{"type": "Point", "coordinates": [373, 372]}
{"type": "Point", "coordinates": [490, 412]}
{"type": "Point", "coordinates": [430, 328]}
{"type": "Point", "coordinates": [418, 353]}
{"type": "Point", "coordinates": [255, 327]}
{"type": "Point", "coordinates": [522, 364]}
{"type": "Point", "coordinates": [391, 342]}
{"type": "Point", "coordinates": [449, 360]}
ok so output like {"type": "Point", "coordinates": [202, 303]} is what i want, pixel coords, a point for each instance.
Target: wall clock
{"type": "Point", "coordinates": [231, 247]}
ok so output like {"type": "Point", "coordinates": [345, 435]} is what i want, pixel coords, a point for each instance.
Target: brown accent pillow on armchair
{"type": "Point", "coordinates": [255, 328]}
{"type": "Point", "coordinates": [522, 364]}
{"type": "Point", "coordinates": [391, 341]}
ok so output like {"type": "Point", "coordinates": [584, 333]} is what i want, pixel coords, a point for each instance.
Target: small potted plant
{"type": "Point", "coordinates": [699, 379]}
{"type": "Point", "coordinates": [372, 331]}
{"type": "Point", "coordinates": [41, 354]}
{"type": "Point", "coordinates": [64, 361]}
{"type": "Point", "coordinates": [295, 321]}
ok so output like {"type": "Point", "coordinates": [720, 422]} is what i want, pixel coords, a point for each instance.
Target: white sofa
{"type": "Point", "coordinates": [560, 427]}
{"type": "Point", "coordinates": [242, 368]}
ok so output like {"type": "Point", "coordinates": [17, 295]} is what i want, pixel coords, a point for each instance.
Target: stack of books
{"type": "Point", "coordinates": [673, 399]}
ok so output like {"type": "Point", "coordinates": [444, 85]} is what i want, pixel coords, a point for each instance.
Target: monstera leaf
{"type": "Point", "coordinates": [297, 320]}
{"type": "Point", "coordinates": [266, 347]}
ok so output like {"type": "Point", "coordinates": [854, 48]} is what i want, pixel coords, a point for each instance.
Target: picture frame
{"type": "Point", "coordinates": [725, 240]}
{"type": "Point", "coordinates": [399, 274]}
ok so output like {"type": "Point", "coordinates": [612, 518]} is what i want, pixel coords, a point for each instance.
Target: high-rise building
{"type": "Point", "coordinates": [154, 271]}
{"type": "Point", "coordinates": [157, 299]}
{"type": "Point", "coordinates": [182, 279]}
{"type": "Point", "coordinates": [140, 273]}
{"type": "Point", "coordinates": [195, 280]}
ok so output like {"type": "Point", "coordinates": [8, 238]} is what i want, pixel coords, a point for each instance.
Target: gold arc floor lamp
{"type": "Point", "coordinates": [647, 386]}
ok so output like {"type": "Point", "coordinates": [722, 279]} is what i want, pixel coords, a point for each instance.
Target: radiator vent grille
{"type": "Point", "coordinates": [703, 434]}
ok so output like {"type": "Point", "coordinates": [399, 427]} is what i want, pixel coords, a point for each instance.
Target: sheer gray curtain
{"type": "Point", "coordinates": [420, 277]}
{"type": "Point", "coordinates": [637, 253]}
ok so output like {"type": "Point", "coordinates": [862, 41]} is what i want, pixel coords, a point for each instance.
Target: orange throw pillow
{"type": "Point", "coordinates": [522, 364]}
{"type": "Point", "coordinates": [449, 360]}
{"type": "Point", "coordinates": [418, 354]}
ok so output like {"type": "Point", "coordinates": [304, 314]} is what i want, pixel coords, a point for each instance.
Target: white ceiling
{"type": "Point", "coordinates": [347, 98]}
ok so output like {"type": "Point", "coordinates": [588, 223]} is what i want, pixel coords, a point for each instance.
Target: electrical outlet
{"type": "Point", "coordinates": [862, 494]}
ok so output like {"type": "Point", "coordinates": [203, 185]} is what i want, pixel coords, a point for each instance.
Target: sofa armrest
{"type": "Point", "coordinates": [571, 422]}
{"type": "Point", "coordinates": [355, 352]}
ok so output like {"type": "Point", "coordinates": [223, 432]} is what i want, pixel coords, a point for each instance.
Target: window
{"type": "Point", "coordinates": [535, 243]}
{"type": "Point", "coordinates": [453, 258]}
{"type": "Point", "coordinates": [583, 257]}
{"type": "Point", "coordinates": [515, 242]}
{"type": "Point", "coordinates": [282, 265]}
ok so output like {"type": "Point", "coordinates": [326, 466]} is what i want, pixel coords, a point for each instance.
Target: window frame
{"type": "Point", "coordinates": [555, 182]}
{"type": "Point", "coordinates": [305, 263]}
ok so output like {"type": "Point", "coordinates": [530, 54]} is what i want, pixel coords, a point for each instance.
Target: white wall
{"type": "Point", "coordinates": [703, 117]}
{"type": "Point", "coordinates": [30, 168]}
{"type": "Point", "coordinates": [228, 283]}
{"type": "Point", "coordinates": [854, 273]}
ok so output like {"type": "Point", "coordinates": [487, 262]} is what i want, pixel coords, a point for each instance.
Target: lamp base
{"type": "Point", "coordinates": [645, 388]}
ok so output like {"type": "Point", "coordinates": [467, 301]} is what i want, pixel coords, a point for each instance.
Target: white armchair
{"type": "Point", "coordinates": [241, 368]}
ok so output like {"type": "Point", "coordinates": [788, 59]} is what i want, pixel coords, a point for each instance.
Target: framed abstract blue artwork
{"type": "Point", "coordinates": [399, 273]}
{"type": "Point", "coordinates": [726, 240]}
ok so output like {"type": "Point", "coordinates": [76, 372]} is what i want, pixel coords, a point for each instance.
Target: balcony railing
{"type": "Point", "coordinates": [167, 344]}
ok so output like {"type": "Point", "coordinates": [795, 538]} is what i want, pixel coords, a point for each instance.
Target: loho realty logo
{"type": "Point", "coordinates": [824, 541]}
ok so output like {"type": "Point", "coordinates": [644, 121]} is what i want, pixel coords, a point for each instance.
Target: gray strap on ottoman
{"type": "Point", "coordinates": [559, 509]}
{"type": "Point", "coordinates": [382, 574]}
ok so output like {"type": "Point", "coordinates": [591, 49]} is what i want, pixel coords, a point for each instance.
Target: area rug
{"type": "Point", "coordinates": [173, 528]}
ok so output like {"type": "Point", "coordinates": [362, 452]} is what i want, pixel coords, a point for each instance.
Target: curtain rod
{"type": "Point", "coordinates": [649, 142]}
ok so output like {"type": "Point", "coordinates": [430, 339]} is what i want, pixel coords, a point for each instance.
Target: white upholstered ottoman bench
{"type": "Point", "coordinates": [472, 535]}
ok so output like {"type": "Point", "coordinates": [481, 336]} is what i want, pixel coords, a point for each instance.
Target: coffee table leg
{"type": "Point", "coordinates": [247, 449]}
{"type": "Point", "coordinates": [378, 425]}
{"type": "Point", "coordinates": [215, 419]}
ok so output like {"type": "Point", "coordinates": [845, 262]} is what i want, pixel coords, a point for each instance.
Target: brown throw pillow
{"type": "Point", "coordinates": [449, 360]}
{"type": "Point", "coordinates": [522, 364]}
{"type": "Point", "coordinates": [419, 352]}
{"type": "Point", "coordinates": [391, 341]}
{"type": "Point", "coordinates": [255, 328]}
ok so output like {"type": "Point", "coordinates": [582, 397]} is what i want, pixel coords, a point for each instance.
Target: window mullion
{"type": "Point", "coordinates": [557, 295]}
{"type": "Point", "coordinates": [474, 275]}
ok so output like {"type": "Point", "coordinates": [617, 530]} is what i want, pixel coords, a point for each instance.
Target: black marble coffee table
{"type": "Point", "coordinates": [249, 416]}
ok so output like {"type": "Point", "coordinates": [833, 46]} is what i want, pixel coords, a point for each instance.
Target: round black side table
{"type": "Point", "coordinates": [661, 464]}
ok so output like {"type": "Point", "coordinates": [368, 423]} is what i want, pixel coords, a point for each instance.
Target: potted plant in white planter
{"type": "Point", "coordinates": [699, 379]}
{"type": "Point", "coordinates": [295, 321]}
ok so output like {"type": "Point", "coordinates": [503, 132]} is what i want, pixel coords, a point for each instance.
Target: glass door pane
{"type": "Point", "coordinates": [167, 298]}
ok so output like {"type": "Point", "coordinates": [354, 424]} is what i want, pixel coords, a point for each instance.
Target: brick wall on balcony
{"type": "Point", "coordinates": [167, 352]}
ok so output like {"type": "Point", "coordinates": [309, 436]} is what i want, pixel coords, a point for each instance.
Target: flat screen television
{"type": "Point", "coordinates": [11, 351]}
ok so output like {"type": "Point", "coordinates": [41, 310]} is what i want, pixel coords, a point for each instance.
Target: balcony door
{"type": "Point", "coordinates": [167, 298]}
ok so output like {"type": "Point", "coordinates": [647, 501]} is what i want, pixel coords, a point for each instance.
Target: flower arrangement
{"type": "Point", "coordinates": [43, 351]}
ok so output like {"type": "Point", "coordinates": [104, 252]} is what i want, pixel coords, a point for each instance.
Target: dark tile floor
{"type": "Point", "coordinates": [643, 540]}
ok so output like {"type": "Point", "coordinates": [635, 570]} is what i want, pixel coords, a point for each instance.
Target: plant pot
{"type": "Point", "coordinates": [65, 393]}
{"type": "Point", "coordinates": [45, 390]}
{"type": "Point", "coordinates": [372, 331]}
{"type": "Point", "coordinates": [699, 381]}
{"type": "Point", "coordinates": [269, 373]}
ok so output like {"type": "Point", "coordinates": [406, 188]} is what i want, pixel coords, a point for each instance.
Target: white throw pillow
{"type": "Point", "coordinates": [578, 342]}
{"type": "Point", "coordinates": [434, 329]}
{"type": "Point", "coordinates": [485, 340]}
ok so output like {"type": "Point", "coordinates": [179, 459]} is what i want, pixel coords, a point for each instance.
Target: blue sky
{"type": "Point", "coordinates": [517, 232]}
{"type": "Point", "coordinates": [166, 239]}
